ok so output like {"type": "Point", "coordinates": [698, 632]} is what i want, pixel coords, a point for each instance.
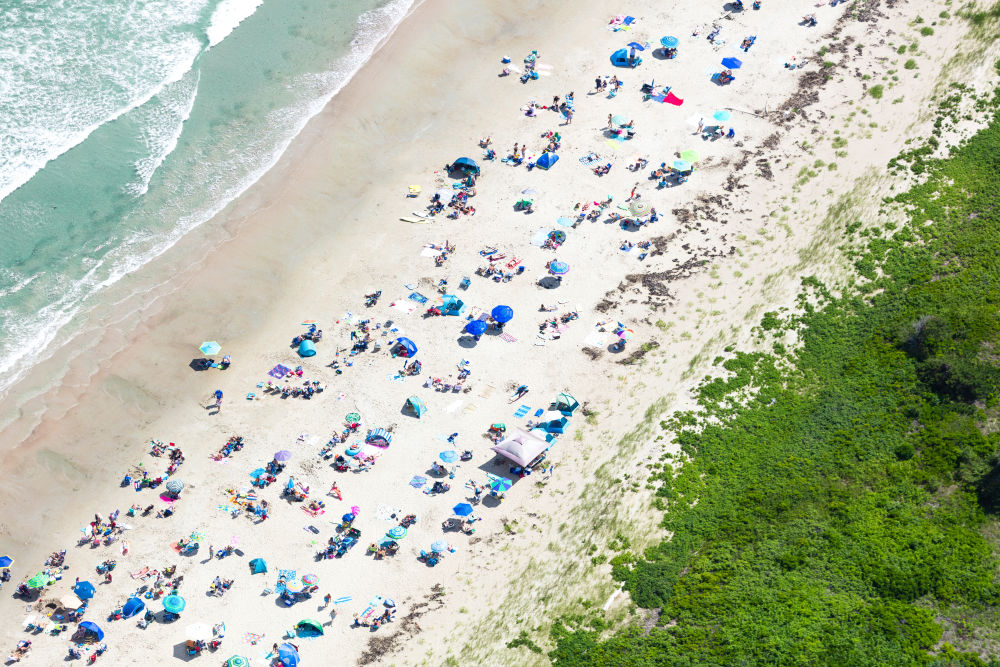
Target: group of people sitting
{"type": "Point", "coordinates": [235, 444]}
{"type": "Point", "coordinates": [314, 334]}
{"type": "Point", "coordinates": [219, 586]}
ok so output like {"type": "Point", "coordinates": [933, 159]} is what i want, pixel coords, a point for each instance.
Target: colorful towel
{"type": "Point", "coordinates": [342, 599]}
{"type": "Point", "coordinates": [279, 371]}
{"type": "Point", "coordinates": [670, 98]}
{"type": "Point", "coordinates": [418, 297]}
{"type": "Point", "coordinates": [507, 337]}
{"type": "Point", "coordinates": [522, 411]}
{"type": "Point", "coordinates": [418, 481]}
{"type": "Point", "coordinates": [287, 575]}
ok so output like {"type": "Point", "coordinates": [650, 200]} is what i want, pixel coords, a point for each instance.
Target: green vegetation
{"type": "Point", "coordinates": [876, 91]}
{"type": "Point", "coordinates": [910, 64]}
{"type": "Point", "coordinates": [927, 31]}
{"type": "Point", "coordinates": [836, 504]}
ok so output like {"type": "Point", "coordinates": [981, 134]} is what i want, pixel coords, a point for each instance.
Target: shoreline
{"type": "Point", "coordinates": [249, 233]}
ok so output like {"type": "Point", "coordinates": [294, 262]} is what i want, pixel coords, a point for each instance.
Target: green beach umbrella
{"type": "Point", "coordinates": [40, 580]}
{"type": "Point", "coordinates": [639, 208]}
{"type": "Point", "coordinates": [238, 661]}
{"type": "Point", "coordinates": [210, 347]}
{"type": "Point", "coordinates": [353, 417]}
{"type": "Point", "coordinates": [397, 532]}
{"type": "Point", "coordinates": [690, 155]}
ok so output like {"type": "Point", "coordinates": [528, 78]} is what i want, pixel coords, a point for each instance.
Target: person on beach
{"type": "Point", "coordinates": [701, 126]}
{"type": "Point", "coordinates": [218, 400]}
{"type": "Point", "coordinates": [326, 600]}
{"type": "Point", "coordinates": [609, 122]}
{"type": "Point", "coordinates": [335, 492]}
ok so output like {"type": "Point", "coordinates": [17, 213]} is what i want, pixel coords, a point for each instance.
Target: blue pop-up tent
{"type": "Point", "coordinates": [468, 165]}
{"type": "Point", "coordinates": [90, 631]}
{"type": "Point", "coordinates": [416, 406]}
{"type": "Point", "coordinates": [452, 305]}
{"type": "Point", "coordinates": [258, 566]}
{"type": "Point", "coordinates": [408, 345]}
{"type": "Point", "coordinates": [307, 349]}
{"type": "Point", "coordinates": [546, 160]}
{"type": "Point", "coordinates": [620, 59]}
{"type": "Point", "coordinates": [132, 607]}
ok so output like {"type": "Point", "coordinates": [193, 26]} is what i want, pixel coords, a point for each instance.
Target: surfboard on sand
{"type": "Point", "coordinates": [419, 221]}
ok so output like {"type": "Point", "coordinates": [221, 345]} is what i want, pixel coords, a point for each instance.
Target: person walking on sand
{"type": "Point", "coordinates": [701, 125]}
{"type": "Point", "coordinates": [569, 116]}
{"type": "Point", "coordinates": [631, 195]}
{"type": "Point", "coordinates": [218, 400]}
{"type": "Point", "coordinates": [326, 601]}
{"type": "Point", "coordinates": [609, 122]}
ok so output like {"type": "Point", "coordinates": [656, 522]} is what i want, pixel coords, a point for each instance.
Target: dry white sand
{"type": "Point", "coordinates": [322, 229]}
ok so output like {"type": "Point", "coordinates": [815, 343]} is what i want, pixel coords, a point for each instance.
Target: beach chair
{"type": "Point", "coordinates": [414, 190]}
{"type": "Point", "coordinates": [466, 282]}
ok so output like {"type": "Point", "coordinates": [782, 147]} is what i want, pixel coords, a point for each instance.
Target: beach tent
{"type": "Point", "coordinates": [288, 656]}
{"type": "Point", "coordinates": [546, 160]}
{"type": "Point", "coordinates": [556, 425]}
{"type": "Point", "coordinates": [620, 59]}
{"type": "Point", "coordinates": [258, 566]}
{"type": "Point", "coordinates": [132, 607]}
{"type": "Point", "coordinates": [416, 406]}
{"type": "Point", "coordinates": [503, 314]}
{"type": "Point", "coordinates": [468, 165]}
{"type": "Point", "coordinates": [520, 447]}
{"type": "Point", "coordinates": [452, 305]}
{"type": "Point", "coordinates": [238, 661]}
{"type": "Point", "coordinates": [309, 628]}
{"type": "Point", "coordinates": [543, 434]}
{"type": "Point", "coordinates": [566, 404]}
{"type": "Point", "coordinates": [307, 349]}
{"type": "Point", "coordinates": [88, 632]}
{"type": "Point", "coordinates": [379, 437]}
{"type": "Point", "coordinates": [408, 345]}
{"type": "Point", "coordinates": [84, 590]}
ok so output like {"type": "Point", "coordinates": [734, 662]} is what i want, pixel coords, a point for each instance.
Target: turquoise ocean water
{"type": "Point", "coordinates": [124, 124]}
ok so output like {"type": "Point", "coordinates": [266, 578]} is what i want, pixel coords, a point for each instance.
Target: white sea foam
{"type": "Point", "coordinates": [46, 327]}
{"type": "Point", "coordinates": [162, 127]}
{"type": "Point", "coordinates": [227, 16]}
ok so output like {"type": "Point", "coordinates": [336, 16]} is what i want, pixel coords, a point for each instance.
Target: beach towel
{"type": "Point", "coordinates": [454, 406]}
{"type": "Point", "coordinates": [418, 481]}
{"type": "Point", "coordinates": [428, 251]}
{"type": "Point", "coordinates": [279, 371]}
{"type": "Point", "coordinates": [252, 637]}
{"type": "Point", "coordinates": [522, 411]}
{"type": "Point", "coordinates": [670, 98]}
{"type": "Point", "coordinates": [314, 513]}
{"type": "Point", "coordinates": [286, 575]}
{"type": "Point", "coordinates": [595, 339]}
{"type": "Point", "coordinates": [418, 297]}
{"type": "Point", "coordinates": [507, 337]}
{"type": "Point", "coordinates": [403, 306]}
{"type": "Point", "coordinates": [487, 390]}
{"type": "Point", "coordinates": [590, 158]}
{"type": "Point", "coordinates": [139, 574]}
{"type": "Point", "coordinates": [611, 142]}
{"type": "Point", "coordinates": [342, 599]}
{"type": "Point", "coordinates": [540, 236]}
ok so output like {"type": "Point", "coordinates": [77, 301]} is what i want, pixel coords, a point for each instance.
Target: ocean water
{"type": "Point", "coordinates": [124, 124]}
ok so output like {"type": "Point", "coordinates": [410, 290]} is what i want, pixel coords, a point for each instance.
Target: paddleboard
{"type": "Point", "coordinates": [415, 220]}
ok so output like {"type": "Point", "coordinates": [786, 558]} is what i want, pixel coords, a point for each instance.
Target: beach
{"type": "Point", "coordinates": [322, 228]}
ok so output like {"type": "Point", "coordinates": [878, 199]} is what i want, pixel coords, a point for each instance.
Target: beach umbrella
{"type": "Point", "coordinates": [310, 579]}
{"type": "Point", "coordinates": [238, 661]}
{"type": "Point", "coordinates": [639, 208]}
{"type": "Point", "coordinates": [259, 472]}
{"type": "Point", "coordinates": [531, 194]}
{"type": "Point", "coordinates": [462, 509]}
{"type": "Point", "coordinates": [384, 541]}
{"type": "Point", "coordinates": [198, 632]}
{"type": "Point", "coordinates": [669, 42]}
{"type": "Point", "coordinates": [619, 120]}
{"type": "Point", "coordinates": [283, 455]}
{"type": "Point", "coordinates": [306, 323]}
{"type": "Point", "coordinates": [174, 604]}
{"type": "Point", "coordinates": [499, 484]}
{"type": "Point", "coordinates": [722, 116]}
{"type": "Point", "coordinates": [449, 456]}
{"type": "Point", "coordinates": [197, 535]}
{"type": "Point", "coordinates": [625, 334]}
{"type": "Point", "coordinates": [6, 561]}
{"type": "Point", "coordinates": [353, 417]}
{"type": "Point", "coordinates": [70, 601]}
{"type": "Point", "coordinates": [210, 347]}
{"type": "Point", "coordinates": [732, 63]}
{"type": "Point", "coordinates": [84, 590]}
{"type": "Point", "coordinates": [39, 580]}
{"type": "Point", "coordinates": [440, 546]}
{"type": "Point", "coordinates": [690, 155]}
{"type": "Point", "coordinates": [294, 586]}
{"type": "Point", "coordinates": [288, 656]}
{"type": "Point", "coordinates": [397, 532]}
{"type": "Point", "coordinates": [347, 517]}
{"type": "Point", "coordinates": [637, 46]}
{"type": "Point", "coordinates": [503, 314]}
{"type": "Point", "coordinates": [682, 165]}
{"type": "Point", "coordinates": [174, 485]}
{"type": "Point", "coordinates": [558, 268]}
{"type": "Point", "coordinates": [476, 327]}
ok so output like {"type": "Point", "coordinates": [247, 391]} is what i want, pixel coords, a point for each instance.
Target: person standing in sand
{"type": "Point", "coordinates": [701, 125]}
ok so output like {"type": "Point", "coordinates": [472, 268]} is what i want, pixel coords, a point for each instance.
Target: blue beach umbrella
{"type": "Point", "coordinates": [288, 656]}
{"type": "Point", "coordinates": [84, 590]}
{"type": "Point", "coordinates": [637, 46]}
{"type": "Point", "coordinates": [722, 115]}
{"type": "Point", "coordinates": [210, 347]}
{"type": "Point", "coordinates": [462, 509]}
{"type": "Point", "coordinates": [174, 604]}
{"type": "Point", "coordinates": [558, 268]}
{"type": "Point", "coordinates": [449, 456]}
{"type": "Point", "coordinates": [499, 484]}
{"type": "Point", "coordinates": [397, 532]}
{"type": "Point", "coordinates": [6, 561]}
{"type": "Point", "coordinates": [669, 42]}
{"type": "Point", "coordinates": [347, 517]}
{"type": "Point", "coordinates": [259, 472]}
{"type": "Point", "coordinates": [732, 63]}
{"type": "Point", "coordinates": [476, 327]}
{"type": "Point", "coordinates": [503, 314]}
